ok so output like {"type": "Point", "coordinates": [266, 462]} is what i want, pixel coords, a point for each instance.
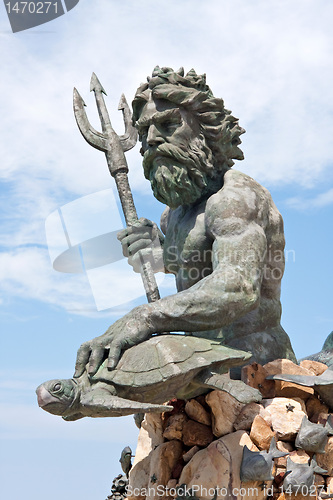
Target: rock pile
{"type": "Point", "coordinates": [197, 449]}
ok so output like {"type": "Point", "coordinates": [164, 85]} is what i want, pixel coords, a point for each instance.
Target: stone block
{"type": "Point", "coordinates": [246, 416]}
{"type": "Point", "coordinates": [190, 453]}
{"type": "Point", "coordinates": [197, 412]}
{"type": "Point", "coordinates": [163, 460]}
{"type": "Point", "coordinates": [286, 416]}
{"type": "Point", "coordinates": [288, 389]}
{"type": "Point", "coordinates": [314, 407]}
{"type": "Point", "coordinates": [219, 465]}
{"type": "Point", "coordinates": [196, 434]}
{"type": "Point", "coordinates": [225, 410]}
{"type": "Point", "coordinates": [261, 433]}
{"type": "Point", "coordinates": [315, 367]}
{"type": "Point", "coordinates": [174, 427]}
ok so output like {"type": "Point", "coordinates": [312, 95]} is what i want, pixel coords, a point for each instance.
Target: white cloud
{"type": "Point", "coordinates": [27, 272]}
{"type": "Point", "coordinates": [321, 200]}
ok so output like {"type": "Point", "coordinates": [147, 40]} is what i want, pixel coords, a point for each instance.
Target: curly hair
{"type": "Point", "coordinates": [220, 129]}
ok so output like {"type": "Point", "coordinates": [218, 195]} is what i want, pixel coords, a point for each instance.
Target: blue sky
{"type": "Point", "coordinates": [271, 62]}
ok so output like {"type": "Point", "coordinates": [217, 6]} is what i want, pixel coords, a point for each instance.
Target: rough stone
{"type": "Point", "coordinates": [288, 389]}
{"type": "Point", "coordinates": [286, 415]}
{"type": "Point", "coordinates": [219, 465]}
{"type": "Point", "coordinates": [172, 483]}
{"type": "Point", "coordinates": [225, 410]}
{"type": "Point", "coordinates": [284, 496]}
{"type": "Point", "coordinates": [325, 460]}
{"type": "Point", "coordinates": [198, 434]}
{"type": "Point", "coordinates": [315, 367]}
{"type": "Point", "coordinates": [139, 478]}
{"type": "Point", "coordinates": [278, 473]}
{"type": "Point", "coordinates": [163, 460]}
{"type": "Point", "coordinates": [202, 400]}
{"type": "Point", "coordinates": [314, 407]}
{"type": "Point", "coordinates": [246, 416]}
{"type": "Point", "coordinates": [178, 407]}
{"type": "Point", "coordinates": [261, 433]}
{"type": "Point", "coordinates": [319, 480]}
{"type": "Point", "coordinates": [255, 375]}
{"type": "Point", "coordinates": [329, 484]}
{"type": "Point", "coordinates": [174, 428]}
{"type": "Point", "coordinates": [322, 418]}
{"type": "Point", "coordinates": [285, 446]}
{"type": "Point", "coordinates": [177, 470]}
{"type": "Point", "coordinates": [190, 453]}
{"type": "Point", "coordinates": [281, 462]}
{"type": "Point", "coordinates": [197, 412]}
{"type": "Point", "coordinates": [299, 456]}
{"type": "Point", "coordinates": [150, 436]}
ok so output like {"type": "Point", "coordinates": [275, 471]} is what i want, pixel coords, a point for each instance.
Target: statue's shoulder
{"type": "Point", "coordinates": [236, 180]}
{"type": "Point", "coordinates": [237, 186]}
{"type": "Point", "coordinates": [240, 196]}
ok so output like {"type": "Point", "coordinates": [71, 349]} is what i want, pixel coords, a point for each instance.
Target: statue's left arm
{"type": "Point", "coordinates": [228, 293]}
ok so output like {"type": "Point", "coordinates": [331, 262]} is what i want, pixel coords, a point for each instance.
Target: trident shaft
{"type": "Point", "coordinates": [114, 147]}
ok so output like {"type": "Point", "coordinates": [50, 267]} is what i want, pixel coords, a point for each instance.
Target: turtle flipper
{"type": "Point", "coordinates": [100, 403]}
{"type": "Point", "coordinates": [236, 388]}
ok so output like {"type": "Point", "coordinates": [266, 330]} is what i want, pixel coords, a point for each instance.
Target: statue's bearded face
{"type": "Point", "coordinates": [175, 155]}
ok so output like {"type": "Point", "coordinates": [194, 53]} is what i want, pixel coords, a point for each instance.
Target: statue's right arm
{"type": "Point", "coordinates": [143, 240]}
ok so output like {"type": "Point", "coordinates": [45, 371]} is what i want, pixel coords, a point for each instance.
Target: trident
{"type": "Point", "coordinates": [114, 147]}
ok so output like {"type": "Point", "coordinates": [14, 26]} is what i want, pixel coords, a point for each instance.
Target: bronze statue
{"type": "Point", "coordinates": [222, 234]}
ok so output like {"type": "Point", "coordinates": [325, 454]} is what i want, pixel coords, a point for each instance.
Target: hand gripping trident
{"type": "Point", "coordinates": [114, 147]}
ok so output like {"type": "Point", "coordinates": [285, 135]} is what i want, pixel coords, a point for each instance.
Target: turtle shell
{"type": "Point", "coordinates": [165, 357]}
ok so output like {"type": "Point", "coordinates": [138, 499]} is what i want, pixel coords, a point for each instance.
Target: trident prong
{"type": "Point", "coordinates": [92, 136]}
{"type": "Point", "coordinates": [128, 140]}
{"type": "Point", "coordinates": [114, 148]}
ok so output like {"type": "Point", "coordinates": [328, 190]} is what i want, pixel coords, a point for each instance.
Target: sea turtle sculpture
{"type": "Point", "coordinates": [148, 375]}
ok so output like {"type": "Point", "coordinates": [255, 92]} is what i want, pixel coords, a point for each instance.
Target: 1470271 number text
{"type": "Point", "coordinates": [32, 7]}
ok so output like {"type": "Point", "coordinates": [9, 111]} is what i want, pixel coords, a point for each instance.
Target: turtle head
{"type": "Point", "coordinates": [57, 396]}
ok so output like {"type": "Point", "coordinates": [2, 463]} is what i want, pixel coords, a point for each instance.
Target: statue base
{"type": "Point", "coordinates": [196, 451]}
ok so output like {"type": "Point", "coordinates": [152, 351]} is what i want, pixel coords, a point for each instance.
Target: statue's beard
{"type": "Point", "coordinates": [179, 176]}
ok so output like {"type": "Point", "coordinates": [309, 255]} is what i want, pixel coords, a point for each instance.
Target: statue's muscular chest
{"type": "Point", "coordinates": [187, 246]}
